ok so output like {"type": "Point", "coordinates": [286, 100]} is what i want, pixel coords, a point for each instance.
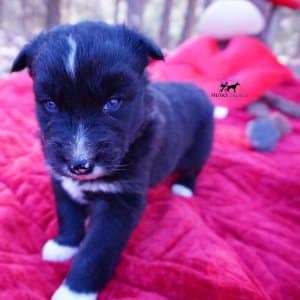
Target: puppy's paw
{"type": "Point", "coordinates": [52, 251]}
{"type": "Point", "coordinates": [181, 190]}
{"type": "Point", "coordinates": [65, 293]}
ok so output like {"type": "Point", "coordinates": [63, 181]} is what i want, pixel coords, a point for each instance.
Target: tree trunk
{"type": "Point", "coordinates": [53, 13]}
{"type": "Point", "coordinates": [272, 21]}
{"type": "Point", "coordinates": [135, 13]}
{"type": "Point", "coordinates": [165, 24]}
{"type": "Point", "coordinates": [1, 13]}
{"type": "Point", "coordinates": [116, 11]}
{"type": "Point", "coordinates": [189, 20]}
{"type": "Point", "coordinates": [263, 6]}
{"type": "Point", "coordinates": [25, 17]}
{"type": "Point", "coordinates": [269, 12]}
{"type": "Point", "coordinates": [205, 3]}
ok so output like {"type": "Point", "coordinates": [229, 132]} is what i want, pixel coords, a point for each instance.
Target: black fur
{"type": "Point", "coordinates": [160, 128]}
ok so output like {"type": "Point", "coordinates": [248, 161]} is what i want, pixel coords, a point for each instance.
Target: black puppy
{"type": "Point", "coordinates": [107, 135]}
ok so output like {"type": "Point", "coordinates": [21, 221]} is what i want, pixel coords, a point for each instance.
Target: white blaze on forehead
{"type": "Point", "coordinates": [79, 144]}
{"type": "Point", "coordinates": [70, 63]}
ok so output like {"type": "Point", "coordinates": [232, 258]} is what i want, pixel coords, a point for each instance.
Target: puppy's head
{"type": "Point", "coordinates": [89, 87]}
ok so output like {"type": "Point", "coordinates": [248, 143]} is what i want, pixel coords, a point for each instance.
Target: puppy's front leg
{"type": "Point", "coordinates": [71, 218]}
{"type": "Point", "coordinates": [113, 217]}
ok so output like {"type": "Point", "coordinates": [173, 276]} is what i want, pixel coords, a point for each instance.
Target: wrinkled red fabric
{"type": "Point", "coordinates": [245, 60]}
{"type": "Point", "coordinates": [237, 239]}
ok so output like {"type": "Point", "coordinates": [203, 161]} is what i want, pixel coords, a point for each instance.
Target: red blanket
{"type": "Point", "coordinates": [237, 239]}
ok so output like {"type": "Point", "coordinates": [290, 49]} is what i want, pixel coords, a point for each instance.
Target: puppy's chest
{"type": "Point", "coordinates": [79, 191]}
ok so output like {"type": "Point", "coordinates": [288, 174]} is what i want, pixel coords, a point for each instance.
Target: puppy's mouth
{"type": "Point", "coordinates": [96, 173]}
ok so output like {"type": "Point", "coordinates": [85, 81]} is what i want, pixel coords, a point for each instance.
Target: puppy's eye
{"type": "Point", "coordinates": [112, 105]}
{"type": "Point", "coordinates": [50, 106]}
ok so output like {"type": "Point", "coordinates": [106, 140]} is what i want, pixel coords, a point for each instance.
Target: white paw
{"type": "Point", "coordinates": [52, 251]}
{"type": "Point", "coordinates": [181, 190]}
{"type": "Point", "coordinates": [65, 293]}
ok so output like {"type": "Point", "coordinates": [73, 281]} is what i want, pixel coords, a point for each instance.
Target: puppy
{"type": "Point", "coordinates": [107, 135]}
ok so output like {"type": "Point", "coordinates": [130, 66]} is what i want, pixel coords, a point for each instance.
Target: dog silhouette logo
{"type": "Point", "coordinates": [230, 89]}
{"type": "Point", "coordinates": [225, 86]}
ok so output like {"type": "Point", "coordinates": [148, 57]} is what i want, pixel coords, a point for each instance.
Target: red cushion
{"type": "Point", "coordinates": [246, 60]}
{"type": "Point", "coordinates": [238, 238]}
{"type": "Point", "coordinates": [289, 3]}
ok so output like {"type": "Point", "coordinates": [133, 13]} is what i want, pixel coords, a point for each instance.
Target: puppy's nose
{"type": "Point", "coordinates": [80, 167]}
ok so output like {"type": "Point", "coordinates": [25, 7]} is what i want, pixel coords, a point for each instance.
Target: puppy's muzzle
{"type": "Point", "coordinates": [81, 167]}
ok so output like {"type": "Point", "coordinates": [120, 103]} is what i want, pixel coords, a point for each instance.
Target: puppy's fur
{"type": "Point", "coordinates": [159, 128]}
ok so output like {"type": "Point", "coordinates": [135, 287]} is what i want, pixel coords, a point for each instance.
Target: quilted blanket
{"type": "Point", "coordinates": [237, 239]}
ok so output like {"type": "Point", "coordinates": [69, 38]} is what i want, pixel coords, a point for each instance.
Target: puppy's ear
{"type": "Point", "coordinates": [25, 57]}
{"type": "Point", "coordinates": [142, 44]}
{"type": "Point", "coordinates": [153, 50]}
{"type": "Point", "coordinates": [22, 59]}
{"type": "Point", "coordinates": [146, 50]}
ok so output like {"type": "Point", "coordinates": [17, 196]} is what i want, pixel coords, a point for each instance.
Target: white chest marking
{"type": "Point", "coordinates": [70, 63]}
{"type": "Point", "coordinates": [101, 187]}
{"type": "Point", "coordinates": [76, 190]}
{"type": "Point", "coordinates": [73, 189]}
{"type": "Point", "coordinates": [65, 293]}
